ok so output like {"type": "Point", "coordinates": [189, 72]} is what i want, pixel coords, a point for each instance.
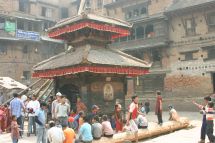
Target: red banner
{"type": "Point", "coordinates": [131, 71]}
{"type": "Point", "coordinates": [120, 32]}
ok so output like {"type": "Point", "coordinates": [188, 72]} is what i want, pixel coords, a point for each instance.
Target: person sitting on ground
{"type": "Point", "coordinates": [173, 115]}
{"type": "Point", "coordinates": [85, 132]}
{"type": "Point", "coordinates": [96, 128]}
{"type": "Point", "coordinates": [55, 134]}
{"type": "Point", "coordinates": [142, 122]}
{"type": "Point", "coordinates": [68, 133]}
{"type": "Point", "coordinates": [106, 127]}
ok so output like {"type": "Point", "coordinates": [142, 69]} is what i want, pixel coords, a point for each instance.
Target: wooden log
{"type": "Point", "coordinates": [153, 131]}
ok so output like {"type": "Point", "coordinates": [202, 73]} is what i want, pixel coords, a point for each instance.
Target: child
{"type": "Point", "coordinates": [14, 130]}
{"type": "Point", "coordinates": [106, 127]}
{"type": "Point", "coordinates": [118, 118]}
{"type": "Point", "coordinates": [76, 120]}
{"type": "Point", "coordinates": [173, 115]}
{"type": "Point", "coordinates": [96, 128]}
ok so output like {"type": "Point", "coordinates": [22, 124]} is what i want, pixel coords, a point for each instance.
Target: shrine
{"type": "Point", "coordinates": [89, 68]}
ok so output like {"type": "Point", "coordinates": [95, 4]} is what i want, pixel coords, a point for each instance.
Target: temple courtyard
{"type": "Point", "coordinates": [189, 135]}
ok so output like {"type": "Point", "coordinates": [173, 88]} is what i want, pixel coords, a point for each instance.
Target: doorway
{"type": "Point", "coordinates": [72, 93]}
{"type": "Point", "coordinates": [213, 81]}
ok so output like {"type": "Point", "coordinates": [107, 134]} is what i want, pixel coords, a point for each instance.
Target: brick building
{"type": "Point", "coordinates": [192, 48]}
{"type": "Point", "coordinates": [23, 42]}
{"type": "Point", "coordinates": [148, 41]}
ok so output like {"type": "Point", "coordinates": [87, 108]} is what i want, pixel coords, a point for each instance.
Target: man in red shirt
{"type": "Point", "coordinates": [132, 116]}
{"type": "Point", "coordinates": [158, 108]}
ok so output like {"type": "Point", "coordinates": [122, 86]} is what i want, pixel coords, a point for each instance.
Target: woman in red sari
{"type": "Point", "coordinates": [118, 118]}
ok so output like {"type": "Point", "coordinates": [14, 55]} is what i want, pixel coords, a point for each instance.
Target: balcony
{"type": "Point", "coordinates": [142, 43]}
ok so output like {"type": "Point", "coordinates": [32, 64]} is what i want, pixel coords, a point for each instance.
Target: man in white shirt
{"type": "Point", "coordinates": [54, 105]}
{"type": "Point", "coordinates": [62, 111]}
{"type": "Point", "coordinates": [55, 134]}
{"type": "Point", "coordinates": [32, 106]}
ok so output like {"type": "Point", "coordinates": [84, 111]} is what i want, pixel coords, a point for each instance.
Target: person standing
{"type": "Point", "coordinates": [80, 106]}
{"type": "Point", "coordinates": [40, 119]}
{"type": "Point", "coordinates": [62, 111]}
{"type": "Point", "coordinates": [118, 117]}
{"type": "Point", "coordinates": [1, 98]}
{"type": "Point", "coordinates": [32, 106]}
{"type": "Point", "coordinates": [16, 106]}
{"type": "Point", "coordinates": [94, 111]}
{"type": "Point", "coordinates": [54, 105]}
{"type": "Point", "coordinates": [158, 108]}
{"type": "Point", "coordinates": [132, 116]}
{"type": "Point", "coordinates": [14, 130]}
{"type": "Point", "coordinates": [68, 133]}
{"type": "Point", "coordinates": [209, 112]}
{"type": "Point", "coordinates": [207, 99]}
{"type": "Point", "coordinates": [147, 106]}
{"type": "Point", "coordinates": [55, 134]}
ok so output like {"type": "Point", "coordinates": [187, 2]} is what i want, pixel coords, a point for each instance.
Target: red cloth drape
{"type": "Point", "coordinates": [119, 32]}
{"type": "Point", "coordinates": [98, 69]}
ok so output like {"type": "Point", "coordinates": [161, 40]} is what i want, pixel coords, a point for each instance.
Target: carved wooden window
{"type": "Point", "coordinates": [3, 50]}
{"type": "Point", "coordinates": [190, 27]}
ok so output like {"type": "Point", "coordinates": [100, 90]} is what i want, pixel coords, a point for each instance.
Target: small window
{"type": "Point", "coordinates": [46, 12]}
{"type": "Point", "coordinates": [128, 15]}
{"type": "Point", "coordinates": [25, 49]}
{"type": "Point", "coordinates": [211, 19]}
{"type": "Point", "coordinates": [99, 4]}
{"type": "Point", "coordinates": [24, 6]}
{"type": "Point", "coordinates": [2, 23]}
{"type": "Point", "coordinates": [188, 56]}
{"type": "Point", "coordinates": [156, 56]}
{"type": "Point", "coordinates": [3, 50]}
{"type": "Point", "coordinates": [87, 4]}
{"type": "Point", "coordinates": [20, 25]}
{"type": "Point", "coordinates": [140, 32]}
{"type": "Point", "coordinates": [150, 31]}
{"type": "Point", "coordinates": [30, 26]}
{"type": "Point", "coordinates": [136, 12]}
{"type": "Point", "coordinates": [211, 53]}
{"type": "Point", "coordinates": [143, 10]}
{"type": "Point", "coordinates": [27, 75]}
{"type": "Point", "coordinates": [64, 12]}
{"type": "Point", "coordinates": [190, 26]}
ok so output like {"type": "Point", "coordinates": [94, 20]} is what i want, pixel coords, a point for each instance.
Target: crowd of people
{"type": "Point", "coordinates": [56, 122]}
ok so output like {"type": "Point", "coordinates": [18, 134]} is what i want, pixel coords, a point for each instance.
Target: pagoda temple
{"type": "Point", "coordinates": [89, 68]}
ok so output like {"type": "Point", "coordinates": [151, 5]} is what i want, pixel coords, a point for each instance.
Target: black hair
{"type": "Point", "coordinates": [64, 124]}
{"type": "Point", "coordinates": [104, 118]}
{"type": "Point", "coordinates": [158, 93]}
{"type": "Point", "coordinates": [13, 117]}
{"type": "Point", "coordinates": [51, 124]}
{"type": "Point", "coordinates": [81, 113]}
{"type": "Point", "coordinates": [133, 97]}
{"type": "Point", "coordinates": [86, 119]}
{"type": "Point", "coordinates": [124, 121]}
{"type": "Point", "coordinates": [15, 94]}
{"type": "Point", "coordinates": [96, 118]}
{"type": "Point", "coordinates": [43, 104]}
{"type": "Point", "coordinates": [210, 104]}
{"type": "Point", "coordinates": [207, 98]}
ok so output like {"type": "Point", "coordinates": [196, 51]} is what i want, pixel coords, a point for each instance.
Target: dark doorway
{"type": "Point", "coordinates": [71, 92]}
{"type": "Point", "coordinates": [213, 81]}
